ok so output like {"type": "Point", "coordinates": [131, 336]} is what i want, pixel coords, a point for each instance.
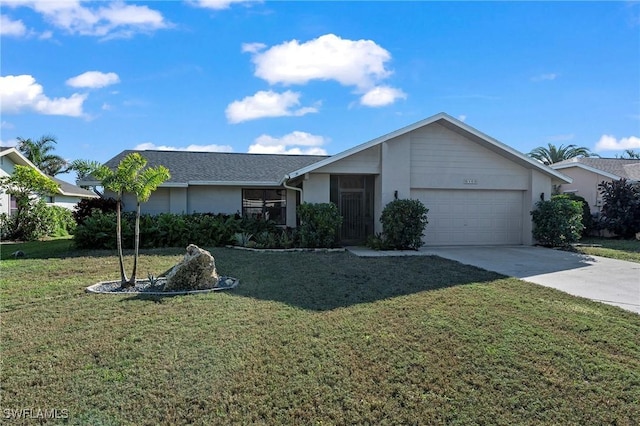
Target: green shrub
{"type": "Point", "coordinates": [621, 207]}
{"type": "Point", "coordinates": [84, 208]}
{"type": "Point", "coordinates": [378, 242]}
{"type": "Point", "coordinates": [98, 231]}
{"type": "Point", "coordinates": [587, 219]}
{"type": "Point", "coordinates": [403, 224]}
{"type": "Point", "coordinates": [34, 221]}
{"type": "Point", "coordinates": [319, 224]}
{"type": "Point", "coordinates": [63, 222]}
{"type": "Point", "coordinates": [557, 222]}
{"type": "Point", "coordinates": [164, 230]}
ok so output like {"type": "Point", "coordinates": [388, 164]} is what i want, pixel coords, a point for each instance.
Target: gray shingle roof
{"type": "Point", "coordinates": [622, 167]}
{"type": "Point", "coordinates": [190, 166]}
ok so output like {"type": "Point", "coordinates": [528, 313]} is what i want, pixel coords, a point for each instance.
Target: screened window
{"type": "Point", "coordinates": [265, 204]}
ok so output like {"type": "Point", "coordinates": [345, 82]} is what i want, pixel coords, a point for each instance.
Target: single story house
{"type": "Point", "coordinates": [68, 195]}
{"type": "Point", "coordinates": [478, 190]}
{"type": "Point", "coordinates": [588, 172]}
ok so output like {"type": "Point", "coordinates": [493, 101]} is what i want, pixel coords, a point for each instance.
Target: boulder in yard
{"type": "Point", "coordinates": [197, 271]}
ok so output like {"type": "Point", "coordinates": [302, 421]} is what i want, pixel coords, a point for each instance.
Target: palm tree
{"type": "Point", "coordinates": [552, 154]}
{"type": "Point", "coordinates": [631, 154]}
{"type": "Point", "coordinates": [84, 169]}
{"type": "Point", "coordinates": [131, 176]}
{"type": "Point", "coordinates": [40, 154]}
{"type": "Point", "coordinates": [146, 181]}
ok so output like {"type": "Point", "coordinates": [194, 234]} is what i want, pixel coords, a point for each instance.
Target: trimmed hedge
{"type": "Point", "coordinates": [319, 228]}
{"type": "Point", "coordinates": [164, 230]}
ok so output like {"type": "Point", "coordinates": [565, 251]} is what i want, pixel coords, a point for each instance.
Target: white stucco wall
{"type": "Point", "coordinates": [316, 188]}
{"type": "Point", "coordinates": [65, 201]}
{"type": "Point", "coordinates": [441, 158]}
{"type": "Point", "coordinates": [585, 184]}
{"type": "Point", "coordinates": [365, 162]}
{"type": "Point", "coordinates": [6, 169]}
{"type": "Point", "coordinates": [214, 199]}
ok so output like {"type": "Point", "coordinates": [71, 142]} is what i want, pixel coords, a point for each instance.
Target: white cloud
{"type": "Point", "coordinates": [9, 143]}
{"type": "Point", "coordinates": [253, 47]}
{"type": "Point", "coordinates": [359, 63]}
{"type": "Point", "coordinates": [545, 77]}
{"type": "Point", "coordinates": [148, 146]}
{"type": "Point", "coordinates": [462, 117]}
{"type": "Point", "coordinates": [381, 96]}
{"type": "Point", "coordinates": [220, 4]}
{"type": "Point", "coordinates": [110, 19]}
{"type": "Point", "coordinates": [267, 104]}
{"type": "Point", "coordinates": [21, 92]}
{"type": "Point", "coordinates": [294, 143]}
{"type": "Point", "coordinates": [94, 79]}
{"type": "Point", "coordinates": [6, 125]}
{"type": "Point", "coordinates": [11, 28]}
{"type": "Point", "coordinates": [610, 143]}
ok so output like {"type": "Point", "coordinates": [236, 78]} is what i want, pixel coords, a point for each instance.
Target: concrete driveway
{"type": "Point", "coordinates": [611, 281]}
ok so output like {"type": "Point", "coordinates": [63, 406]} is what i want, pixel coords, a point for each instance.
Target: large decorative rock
{"type": "Point", "coordinates": [197, 271]}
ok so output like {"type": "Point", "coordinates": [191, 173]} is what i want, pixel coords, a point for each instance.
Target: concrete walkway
{"type": "Point", "coordinates": [611, 281]}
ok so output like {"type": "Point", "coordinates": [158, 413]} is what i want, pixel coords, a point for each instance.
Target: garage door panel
{"type": "Point", "coordinates": [472, 217]}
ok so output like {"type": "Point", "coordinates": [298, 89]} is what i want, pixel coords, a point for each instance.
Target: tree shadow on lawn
{"type": "Point", "coordinates": [326, 281]}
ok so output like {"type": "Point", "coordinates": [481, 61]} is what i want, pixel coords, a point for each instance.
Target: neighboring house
{"type": "Point", "coordinates": [68, 195]}
{"type": "Point", "coordinates": [588, 173]}
{"type": "Point", "coordinates": [478, 190]}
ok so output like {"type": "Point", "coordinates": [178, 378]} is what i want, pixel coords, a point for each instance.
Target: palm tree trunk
{"type": "Point", "coordinates": [132, 281]}
{"type": "Point", "coordinates": [123, 274]}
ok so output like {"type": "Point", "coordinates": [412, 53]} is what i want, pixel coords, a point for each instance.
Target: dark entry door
{"type": "Point", "coordinates": [353, 194]}
{"type": "Point", "coordinates": [351, 209]}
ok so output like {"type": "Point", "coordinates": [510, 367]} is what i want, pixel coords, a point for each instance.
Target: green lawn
{"type": "Point", "coordinates": [310, 338]}
{"type": "Point", "coordinates": [611, 247]}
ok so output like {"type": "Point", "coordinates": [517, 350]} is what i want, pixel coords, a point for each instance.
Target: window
{"type": "Point", "coordinates": [265, 204]}
{"type": "Point", "coordinates": [13, 206]}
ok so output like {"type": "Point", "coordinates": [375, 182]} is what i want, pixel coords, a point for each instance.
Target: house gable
{"type": "Point", "coordinates": [452, 124]}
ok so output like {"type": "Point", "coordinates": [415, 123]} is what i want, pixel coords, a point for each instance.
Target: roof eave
{"type": "Point", "coordinates": [234, 183]}
{"type": "Point", "coordinates": [585, 167]}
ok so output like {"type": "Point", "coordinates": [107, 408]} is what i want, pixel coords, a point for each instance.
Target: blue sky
{"type": "Point", "coordinates": [315, 77]}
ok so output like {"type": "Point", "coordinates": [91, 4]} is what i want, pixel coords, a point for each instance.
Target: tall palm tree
{"type": "Point", "coordinates": [145, 182]}
{"type": "Point", "coordinates": [131, 176]}
{"type": "Point", "coordinates": [40, 154]}
{"type": "Point", "coordinates": [552, 154]}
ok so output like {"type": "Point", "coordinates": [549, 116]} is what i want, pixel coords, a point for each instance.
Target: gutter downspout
{"type": "Point", "coordinates": [284, 183]}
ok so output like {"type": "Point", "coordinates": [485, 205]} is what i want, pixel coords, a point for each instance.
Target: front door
{"type": "Point", "coordinates": [351, 206]}
{"type": "Point", "coordinates": [353, 194]}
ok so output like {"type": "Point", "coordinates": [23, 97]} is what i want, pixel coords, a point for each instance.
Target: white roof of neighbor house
{"type": "Point", "coordinates": [454, 125]}
{"type": "Point", "coordinates": [64, 188]}
{"type": "Point", "coordinates": [613, 168]}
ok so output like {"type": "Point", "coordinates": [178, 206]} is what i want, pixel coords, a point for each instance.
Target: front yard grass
{"type": "Point", "coordinates": [611, 247]}
{"type": "Point", "coordinates": [310, 338]}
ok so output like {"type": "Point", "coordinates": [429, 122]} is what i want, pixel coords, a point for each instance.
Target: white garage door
{"type": "Point", "coordinates": [472, 217]}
